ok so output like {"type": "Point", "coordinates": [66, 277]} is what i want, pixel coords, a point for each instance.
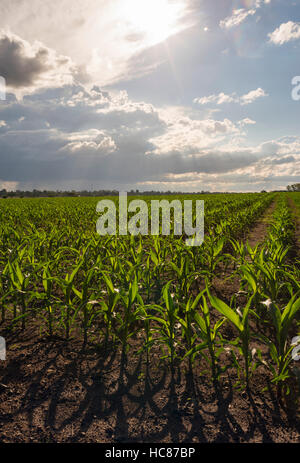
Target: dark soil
{"type": "Point", "coordinates": [295, 212]}
{"type": "Point", "coordinates": [52, 391]}
{"type": "Point", "coordinates": [259, 231]}
{"type": "Point", "coordinates": [227, 284]}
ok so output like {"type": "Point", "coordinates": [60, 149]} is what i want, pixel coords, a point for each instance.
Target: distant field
{"type": "Point", "coordinates": [230, 305]}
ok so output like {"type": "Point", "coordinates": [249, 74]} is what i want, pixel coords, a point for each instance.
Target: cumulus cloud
{"type": "Point", "coordinates": [30, 66]}
{"type": "Point", "coordinates": [8, 186]}
{"type": "Point", "coordinates": [247, 121]}
{"type": "Point", "coordinates": [252, 96]}
{"type": "Point", "coordinates": [104, 146]}
{"type": "Point", "coordinates": [72, 137]}
{"type": "Point", "coordinates": [286, 32]}
{"type": "Point", "coordinates": [68, 135]}
{"type": "Point", "coordinates": [222, 98]}
{"type": "Point", "coordinates": [238, 16]}
{"type": "Point", "coordinates": [100, 36]}
{"type": "Point", "coordinates": [188, 135]}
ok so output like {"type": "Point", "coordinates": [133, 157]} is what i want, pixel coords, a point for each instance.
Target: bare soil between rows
{"type": "Point", "coordinates": [225, 285]}
{"type": "Point", "coordinates": [296, 215]}
{"type": "Point", "coordinates": [52, 391]}
{"type": "Point", "coordinates": [258, 232]}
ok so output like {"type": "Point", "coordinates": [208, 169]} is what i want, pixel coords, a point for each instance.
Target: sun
{"type": "Point", "coordinates": [153, 20]}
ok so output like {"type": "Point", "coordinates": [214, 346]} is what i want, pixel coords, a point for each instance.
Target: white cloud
{"type": "Point", "coordinates": [237, 17]}
{"type": "Point", "coordinates": [186, 135]}
{"type": "Point", "coordinates": [286, 32]}
{"type": "Point", "coordinates": [27, 66]}
{"type": "Point", "coordinates": [101, 36]}
{"type": "Point", "coordinates": [8, 186]}
{"type": "Point", "coordinates": [110, 141]}
{"type": "Point", "coordinates": [222, 98]}
{"type": "Point", "coordinates": [102, 147]}
{"type": "Point", "coordinates": [250, 97]}
{"type": "Point", "coordinates": [247, 121]}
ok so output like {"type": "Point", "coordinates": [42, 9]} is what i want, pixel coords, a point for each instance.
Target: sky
{"type": "Point", "coordinates": [168, 95]}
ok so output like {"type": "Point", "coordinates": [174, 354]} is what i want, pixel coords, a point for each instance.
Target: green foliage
{"type": "Point", "coordinates": [153, 292]}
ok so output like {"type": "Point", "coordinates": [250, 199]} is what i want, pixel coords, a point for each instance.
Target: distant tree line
{"type": "Point", "coordinates": [54, 194]}
{"type": "Point", "coordinates": [73, 193]}
{"type": "Point", "coordinates": [295, 187]}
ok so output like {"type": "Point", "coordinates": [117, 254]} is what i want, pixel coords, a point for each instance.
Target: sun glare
{"type": "Point", "coordinates": [152, 21]}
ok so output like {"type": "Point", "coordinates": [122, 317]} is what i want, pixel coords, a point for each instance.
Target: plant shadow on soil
{"type": "Point", "coordinates": [53, 391]}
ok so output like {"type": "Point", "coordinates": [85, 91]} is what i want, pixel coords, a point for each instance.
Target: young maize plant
{"type": "Point", "coordinates": [185, 273]}
{"type": "Point", "coordinates": [280, 347]}
{"type": "Point", "coordinates": [206, 333]}
{"type": "Point", "coordinates": [165, 321]}
{"type": "Point", "coordinates": [127, 322]}
{"type": "Point", "coordinates": [47, 297]}
{"type": "Point", "coordinates": [20, 283]}
{"type": "Point", "coordinates": [67, 303]}
{"type": "Point", "coordinates": [212, 250]}
{"type": "Point", "coordinates": [87, 304]}
{"type": "Point", "coordinates": [157, 256]}
{"type": "Point", "coordinates": [108, 308]}
{"type": "Point", "coordinates": [240, 321]}
{"type": "Point", "coordinates": [154, 291]}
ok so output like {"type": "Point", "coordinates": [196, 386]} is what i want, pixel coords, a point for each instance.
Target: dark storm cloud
{"type": "Point", "coordinates": [22, 64]}
{"type": "Point", "coordinates": [18, 69]}
{"type": "Point", "coordinates": [70, 134]}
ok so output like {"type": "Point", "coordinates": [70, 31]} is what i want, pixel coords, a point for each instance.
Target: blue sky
{"type": "Point", "coordinates": [181, 95]}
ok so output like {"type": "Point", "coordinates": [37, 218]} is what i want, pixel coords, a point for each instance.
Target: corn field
{"type": "Point", "coordinates": [153, 293]}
